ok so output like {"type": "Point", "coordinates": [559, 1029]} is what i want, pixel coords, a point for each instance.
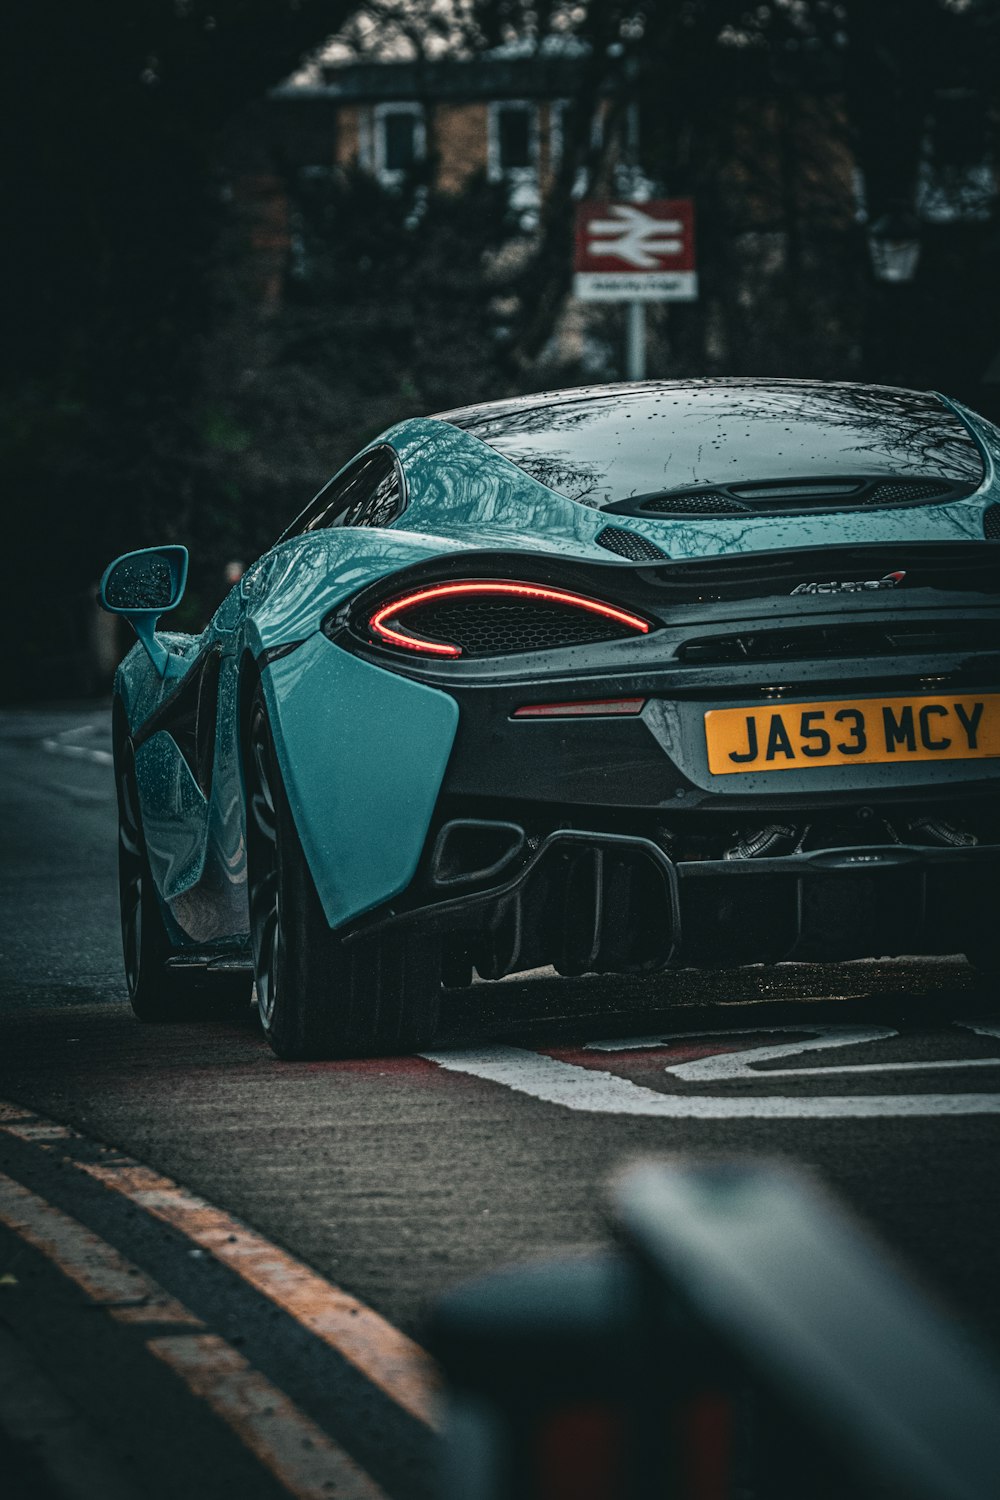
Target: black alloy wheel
{"type": "Point", "coordinates": [157, 991]}
{"type": "Point", "coordinates": [262, 862]}
{"type": "Point", "coordinates": [132, 874]}
{"type": "Point", "coordinates": [319, 995]}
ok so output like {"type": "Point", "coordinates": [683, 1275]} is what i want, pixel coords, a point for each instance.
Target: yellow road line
{"type": "Point", "coordinates": [40, 1131]}
{"type": "Point", "coordinates": [285, 1441]}
{"type": "Point", "coordinates": [386, 1357]}
{"type": "Point", "coordinates": [281, 1437]}
{"type": "Point", "coordinates": [98, 1270]}
{"type": "Point", "coordinates": [380, 1352]}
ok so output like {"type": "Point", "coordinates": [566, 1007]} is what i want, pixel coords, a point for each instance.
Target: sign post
{"type": "Point", "coordinates": [635, 341]}
{"type": "Point", "coordinates": [635, 253]}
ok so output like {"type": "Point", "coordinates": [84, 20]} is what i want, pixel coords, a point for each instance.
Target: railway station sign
{"type": "Point", "coordinates": [635, 252]}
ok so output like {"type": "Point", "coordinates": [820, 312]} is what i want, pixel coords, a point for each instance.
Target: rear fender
{"type": "Point", "coordinates": [295, 585]}
{"type": "Point", "coordinates": [362, 754]}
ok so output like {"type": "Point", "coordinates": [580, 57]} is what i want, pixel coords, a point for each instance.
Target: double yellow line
{"type": "Point", "coordinates": [286, 1441]}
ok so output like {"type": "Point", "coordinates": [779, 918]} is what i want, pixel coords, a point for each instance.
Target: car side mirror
{"type": "Point", "coordinates": [142, 586]}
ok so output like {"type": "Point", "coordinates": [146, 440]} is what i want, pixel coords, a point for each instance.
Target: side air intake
{"type": "Point", "coordinates": [629, 544]}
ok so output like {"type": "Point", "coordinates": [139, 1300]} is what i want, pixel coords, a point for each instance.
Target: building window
{"type": "Point", "coordinates": [400, 141]}
{"type": "Point", "coordinates": [400, 144]}
{"type": "Point", "coordinates": [514, 126]}
{"type": "Point", "coordinates": [513, 140]}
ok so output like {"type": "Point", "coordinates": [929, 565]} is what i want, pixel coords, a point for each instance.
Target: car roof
{"type": "Point", "coordinates": [606, 444]}
{"type": "Point", "coordinates": [606, 394]}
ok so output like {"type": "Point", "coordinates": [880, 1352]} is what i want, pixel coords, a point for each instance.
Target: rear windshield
{"type": "Point", "coordinates": [605, 446]}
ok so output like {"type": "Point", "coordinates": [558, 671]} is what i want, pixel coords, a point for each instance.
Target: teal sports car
{"type": "Point", "coordinates": [612, 679]}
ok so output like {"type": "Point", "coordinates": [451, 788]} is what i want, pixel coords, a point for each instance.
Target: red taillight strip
{"type": "Point", "coordinates": [412, 643]}
{"type": "Point", "coordinates": [594, 708]}
{"type": "Point", "coordinates": [377, 624]}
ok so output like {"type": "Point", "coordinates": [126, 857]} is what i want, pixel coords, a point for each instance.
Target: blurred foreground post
{"type": "Point", "coordinates": [749, 1339]}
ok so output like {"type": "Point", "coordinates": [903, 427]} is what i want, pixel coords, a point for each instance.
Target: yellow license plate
{"type": "Point", "coordinates": [858, 732]}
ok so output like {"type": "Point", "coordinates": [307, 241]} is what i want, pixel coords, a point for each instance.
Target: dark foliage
{"type": "Point", "coordinates": [392, 307]}
{"type": "Point", "coordinates": [111, 113]}
{"type": "Point", "coordinates": [150, 393]}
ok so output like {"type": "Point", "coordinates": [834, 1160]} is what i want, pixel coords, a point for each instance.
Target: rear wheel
{"type": "Point", "coordinates": [157, 991]}
{"type": "Point", "coordinates": [319, 995]}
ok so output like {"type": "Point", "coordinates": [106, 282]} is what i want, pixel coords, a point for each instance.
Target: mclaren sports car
{"type": "Point", "coordinates": [616, 679]}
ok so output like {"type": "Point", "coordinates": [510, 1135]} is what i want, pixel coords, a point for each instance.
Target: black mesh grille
{"type": "Point", "coordinates": [991, 524]}
{"type": "Point", "coordinates": [904, 492]}
{"type": "Point", "coordinates": [698, 503]}
{"type": "Point", "coordinates": [800, 496]}
{"type": "Point", "coordinates": [628, 544]}
{"type": "Point", "coordinates": [494, 627]}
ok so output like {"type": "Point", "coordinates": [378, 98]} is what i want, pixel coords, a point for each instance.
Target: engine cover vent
{"type": "Point", "coordinates": [783, 497]}
{"type": "Point", "coordinates": [906, 492]}
{"type": "Point", "coordinates": [695, 503]}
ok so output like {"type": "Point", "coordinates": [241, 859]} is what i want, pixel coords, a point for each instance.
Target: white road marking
{"type": "Point", "coordinates": [981, 1028]}
{"type": "Point", "coordinates": [593, 1091]}
{"type": "Point", "coordinates": [744, 1064]}
{"type": "Point", "coordinates": [738, 1064]}
{"type": "Point", "coordinates": [935, 1065]}
{"type": "Point", "coordinates": [79, 752]}
{"type": "Point", "coordinates": [67, 743]}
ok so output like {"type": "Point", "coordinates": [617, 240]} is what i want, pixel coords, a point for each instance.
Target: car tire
{"type": "Point", "coordinates": [156, 991]}
{"type": "Point", "coordinates": [317, 994]}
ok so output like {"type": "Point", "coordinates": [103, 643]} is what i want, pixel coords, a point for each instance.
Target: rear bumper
{"type": "Point", "coordinates": [659, 760]}
{"type": "Point", "coordinates": [591, 901]}
{"type": "Point", "coordinates": [622, 848]}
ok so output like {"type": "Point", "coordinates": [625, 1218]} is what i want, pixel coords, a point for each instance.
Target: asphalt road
{"type": "Point", "coordinates": [287, 1226]}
